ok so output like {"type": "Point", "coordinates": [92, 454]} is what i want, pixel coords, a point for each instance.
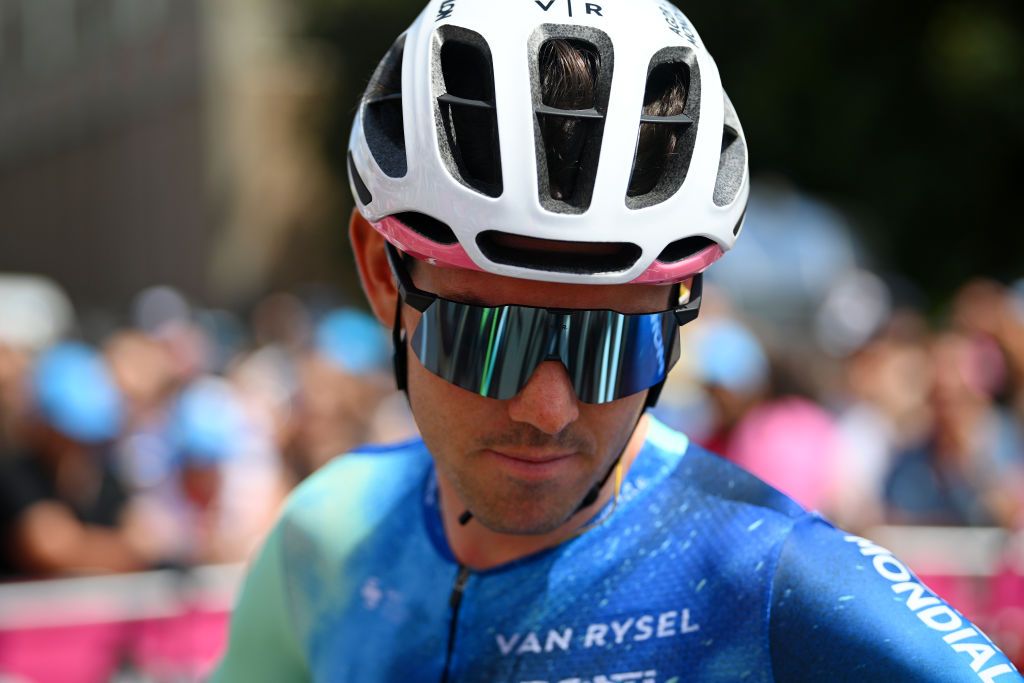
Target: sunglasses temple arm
{"type": "Point", "coordinates": [406, 289]}
{"type": "Point", "coordinates": [689, 311]}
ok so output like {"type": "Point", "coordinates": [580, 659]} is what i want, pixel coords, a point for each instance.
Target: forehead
{"type": "Point", "coordinates": [488, 289]}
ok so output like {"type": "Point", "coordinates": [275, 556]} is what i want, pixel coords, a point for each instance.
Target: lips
{"type": "Point", "coordinates": [534, 458]}
{"type": "Point", "coordinates": [536, 467]}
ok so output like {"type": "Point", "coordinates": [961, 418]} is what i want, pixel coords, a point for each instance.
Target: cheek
{"type": "Point", "coordinates": [444, 411]}
{"type": "Point", "coordinates": [615, 420]}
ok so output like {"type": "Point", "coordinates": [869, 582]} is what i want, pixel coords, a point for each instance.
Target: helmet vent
{"type": "Point", "coordinates": [668, 128]}
{"type": "Point", "coordinates": [733, 162]}
{"type": "Point", "coordinates": [431, 228]}
{"type": "Point", "coordinates": [466, 113]}
{"type": "Point", "coordinates": [684, 248]}
{"type": "Point", "coordinates": [572, 70]}
{"type": "Point", "coordinates": [583, 258]}
{"type": "Point", "coordinates": [382, 113]}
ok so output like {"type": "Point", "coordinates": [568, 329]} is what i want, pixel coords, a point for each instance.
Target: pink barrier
{"type": "Point", "coordinates": [52, 655]}
{"type": "Point", "coordinates": [183, 647]}
{"type": "Point", "coordinates": [994, 603]}
{"type": "Point", "coordinates": [182, 641]}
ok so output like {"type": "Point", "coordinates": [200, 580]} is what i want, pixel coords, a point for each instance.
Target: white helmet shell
{"type": "Point", "coordinates": [401, 158]}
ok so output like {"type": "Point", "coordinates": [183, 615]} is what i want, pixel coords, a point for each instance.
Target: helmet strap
{"type": "Point", "coordinates": [400, 357]}
{"type": "Point", "coordinates": [595, 491]}
{"type": "Point", "coordinates": [654, 393]}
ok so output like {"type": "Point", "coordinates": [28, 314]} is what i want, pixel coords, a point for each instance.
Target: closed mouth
{"type": "Point", "coordinates": [533, 458]}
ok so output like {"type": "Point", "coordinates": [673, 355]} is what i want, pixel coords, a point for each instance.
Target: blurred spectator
{"type": "Point", "coordinates": [795, 446]}
{"type": "Point", "coordinates": [785, 439]}
{"type": "Point", "coordinates": [34, 312]}
{"type": "Point", "coordinates": [884, 409]}
{"type": "Point", "coordinates": [61, 507]}
{"type": "Point", "coordinates": [14, 368]}
{"type": "Point", "coordinates": [222, 483]}
{"type": "Point", "coordinates": [281, 320]}
{"type": "Point", "coordinates": [344, 387]}
{"type": "Point", "coordinates": [989, 312]}
{"type": "Point", "coordinates": [733, 370]}
{"type": "Point", "coordinates": [144, 372]}
{"type": "Point", "coordinates": [968, 469]}
{"type": "Point", "coordinates": [165, 315]}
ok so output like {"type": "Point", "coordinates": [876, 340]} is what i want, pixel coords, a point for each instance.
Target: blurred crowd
{"type": "Point", "coordinates": [912, 425]}
{"type": "Point", "coordinates": [172, 439]}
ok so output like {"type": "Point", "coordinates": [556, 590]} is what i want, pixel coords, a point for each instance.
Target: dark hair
{"type": "Point", "coordinates": [568, 70]}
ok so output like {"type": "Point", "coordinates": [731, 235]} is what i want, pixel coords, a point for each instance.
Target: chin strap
{"type": "Point", "coordinates": [611, 511]}
{"type": "Point", "coordinates": [399, 356]}
{"type": "Point", "coordinates": [654, 393]}
{"type": "Point", "coordinates": [595, 491]}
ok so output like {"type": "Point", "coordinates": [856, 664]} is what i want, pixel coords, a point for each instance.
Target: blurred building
{"type": "Point", "coordinates": [150, 141]}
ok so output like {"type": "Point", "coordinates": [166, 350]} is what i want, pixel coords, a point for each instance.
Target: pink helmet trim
{"type": "Point", "coordinates": [421, 248]}
{"type": "Point", "coordinates": [663, 273]}
{"type": "Point", "coordinates": [454, 256]}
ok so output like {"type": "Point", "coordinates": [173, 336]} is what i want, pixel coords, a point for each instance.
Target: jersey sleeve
{"type": "Point", "coordinates": [845, 609]}
{"type": "Point", "coordinates": [263, 645]}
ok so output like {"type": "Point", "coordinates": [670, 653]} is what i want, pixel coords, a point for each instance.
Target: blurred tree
{"type": "Point", "coordinates": [907, 116]}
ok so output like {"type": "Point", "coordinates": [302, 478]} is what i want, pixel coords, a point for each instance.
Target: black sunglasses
{"type": "Point", "coordinates": [494, 350]}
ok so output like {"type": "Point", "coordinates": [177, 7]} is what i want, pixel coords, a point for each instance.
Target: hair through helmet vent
{"type": "Point", "coordinates": [572, 72]}
{"type": "Point", "coordinates": [668, 128]}
{"type": "Point", "coordinates": [661, 125]}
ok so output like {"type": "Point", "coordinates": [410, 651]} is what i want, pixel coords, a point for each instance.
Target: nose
{"type": "Point", "coordinates": [548, 401]}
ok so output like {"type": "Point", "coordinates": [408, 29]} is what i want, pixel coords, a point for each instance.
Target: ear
{"type": "Point", "coordinates": [374, 271]}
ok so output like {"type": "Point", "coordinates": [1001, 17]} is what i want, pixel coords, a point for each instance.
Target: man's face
{"type": "Point", "coordinates": [522, 465]}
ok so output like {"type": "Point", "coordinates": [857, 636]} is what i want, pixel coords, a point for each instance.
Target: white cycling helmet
{"type": "Point", "coordinates": [447, 156]}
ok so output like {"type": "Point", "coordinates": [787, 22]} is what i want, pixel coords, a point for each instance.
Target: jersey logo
{"type": "Point", "coordinates": [650, 676]}
{"type": "Point", "coordinates": [933, 612]}
{"type": "Point", "coordinates": [637, 629]}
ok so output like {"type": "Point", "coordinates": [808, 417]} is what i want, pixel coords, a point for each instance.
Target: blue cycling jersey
{"type": "Point", "coordinates": [703, 573]}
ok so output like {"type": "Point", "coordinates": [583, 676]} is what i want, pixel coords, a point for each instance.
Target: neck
{"type": "Point", "coordinates": [479, 548]}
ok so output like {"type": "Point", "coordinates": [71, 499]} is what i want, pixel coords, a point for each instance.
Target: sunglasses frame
{"type": "Point", "coordinates": [421, 300]}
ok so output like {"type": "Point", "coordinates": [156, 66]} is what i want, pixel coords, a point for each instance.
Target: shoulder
{"type": "Point", "coordinates": [334, 515]}
{"type": "Point", "coordinates": [734, 521]}
{"type": "Point", "coordinates": [838, 607]}
{"type": "Point", "coordinates": [694, 471]}
{"type": "Point", "coordinates": [845, 609]}
{"type": "Point", "coordinates": [355, 488]}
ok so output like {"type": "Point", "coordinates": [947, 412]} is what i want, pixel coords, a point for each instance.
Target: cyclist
{"type": "Point", "coordinates": [539, 186]}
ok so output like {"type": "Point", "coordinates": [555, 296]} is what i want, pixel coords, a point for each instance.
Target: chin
{"type": "Point", "coordinates": [523, 518]}
{"type": "Point", "coordinates": [520, 527]}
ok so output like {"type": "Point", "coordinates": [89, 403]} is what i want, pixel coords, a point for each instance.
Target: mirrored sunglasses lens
{"type": "Point", "coordinates": [489, 351]}
{"type": "Point", "coordinates": [611, 355]}
{"type": "Point", "coordinates": [493, 352]}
